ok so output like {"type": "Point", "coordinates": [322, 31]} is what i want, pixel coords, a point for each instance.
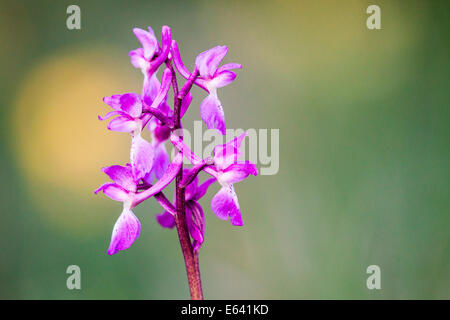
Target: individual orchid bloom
{"type": "Point", "coordinates": [195, 217]}
{"type": "Point", "coordinates": [127, 227]}
{"type": "Point", "coordinates": [124, 189]}
{"type": "Point", "coordinates": [211, 77]}
{"type": "Point", "coordinates": [151, 56]}
{"type": "Point", "coordinates": [128, 108]}
{"type": "Point", "coordinates": [227, 169]}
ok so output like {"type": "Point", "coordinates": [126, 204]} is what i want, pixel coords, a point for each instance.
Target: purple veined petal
{"type": "Point", "coordinates": [179, 65]}
{"type": "Point", "coordinates": [208, 61]}
{"type": "Point", "coordinates": [212, 114]}
{"type": "Point", "coordinates": [184, 149]}
{"type": "Point", "coordinates": [152, 33]}
{"type": "Point", "coordinates": [141, 157]}
{"type": "Point", "coordinates": [228, 66]}
{"type": "Point", "coordinates": [122, 176]}
{"type": "Point", "coordinates": [164, 181]}
{"type": "Point", "coordinates": [222, 79]}
{"type": "Point", "coordinates": [185, 104]}
{"type": "Point", "coordinates": [126, 230]}
{"type": "Point", "coordinates": [137, 59]}
{"type": "Point", "coordinates": [195, 220]}
{"type": "Point", "coordinates": [148, 41]}
{"type": "Point", "coordinates": [203, 188]}
{"type": "Point", "coordinates": [228, 153]}
{"type": "Point", "coordinates": [238, 172]}
{"type": "Point", "coordinates": [114, 191]}
{"type": "Point", "coordinates": [113, 101]}
{"type": "Point", "coordinates": [165, 220]}
{"type": "Point", "coordinates": [164, 88]}
{"type": "Point", "coordinates": [123, 124]}
{"type": "Point", "coordinates": [131, 104]}
{"type": "Point", "coordinates": [225, 204]}
{"type": "Point", "coordinates": [150, 88]}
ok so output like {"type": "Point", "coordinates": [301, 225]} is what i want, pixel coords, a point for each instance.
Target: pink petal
{"type": "Point", "coordinates": [238, 172]}
{"type": "Point", "coordinates": [166, 42]}
{"type": "Point", "coordinates": [185, 104]}
{"type": "Point", "coordinates": [125, 232]}
{"type": "Point", "coordinates": [195, 220]}
{"type": "Point", "coordinates": [225, 204]}
{"type": "Point", "coordinates": [109, 115]}
{"type": "Point", "coordinates": [160, 164]}
{"type": "Point", "coordinates": [137, 59]}
{"type": "Point", "coordinates": [131, 104]}
{"type": "Point", "coordinates": [166, 220]}
{"type": "Point", "coordinates": [228, 153]}
{"type": "Point", "coordinates": [150, 89]}
{"type": "Point", "coordinates": [203, 188]}
{"type": "Point", "coordinates": [123, 124]}
{"type": "Point", "coordinates": [114, 191]}
{"type": "Point", "coordinates": [229, 66]}
{"type": "Point", "coordinates": [122, 176]}
{"type": "Point", "coordinates": [148, 41]}
{"type": "Point", "coordinates": [113, 101]}
{"type": "Point", "coordinates": [179, 65]}
{"type": "Point", "coordinates": [161, 133]}
{"type": "Point", "coordinates": [141, 157]}
{"type": "Point", "coordinates": [212, 114]}
{"type": "Point", "coordinates": [191, 189]}
{"type": "Point", "coordinates": [222, 79]}
{"type": "Point", "coordinates": [208, 61]}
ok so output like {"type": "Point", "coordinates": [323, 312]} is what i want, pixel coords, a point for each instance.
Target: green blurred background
{"type": "Point", "coordinates": [364, 149]}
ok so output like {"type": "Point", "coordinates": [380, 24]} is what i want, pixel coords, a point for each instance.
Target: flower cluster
{"type": "Point", "coordinates": [150, 170]}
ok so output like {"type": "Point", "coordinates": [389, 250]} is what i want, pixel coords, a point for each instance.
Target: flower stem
{"type": "Point", "coordinates": [190, 258]}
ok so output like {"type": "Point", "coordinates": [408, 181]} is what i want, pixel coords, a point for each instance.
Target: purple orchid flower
{"type": "Point", "coordinates": [195, 217]}
{"type": "Point", "coordinates": [130, 109]}
{"type": "Point", "coordinates": [151, 56]}
{"type": "Point", "coordinates": [127, 227]}
{"type": "Point", "coordinates": [211, 77]}
{"type": "Point", "coordinates": [227, 170]}
{"type": "Point", "coordinates": [124, 189]}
